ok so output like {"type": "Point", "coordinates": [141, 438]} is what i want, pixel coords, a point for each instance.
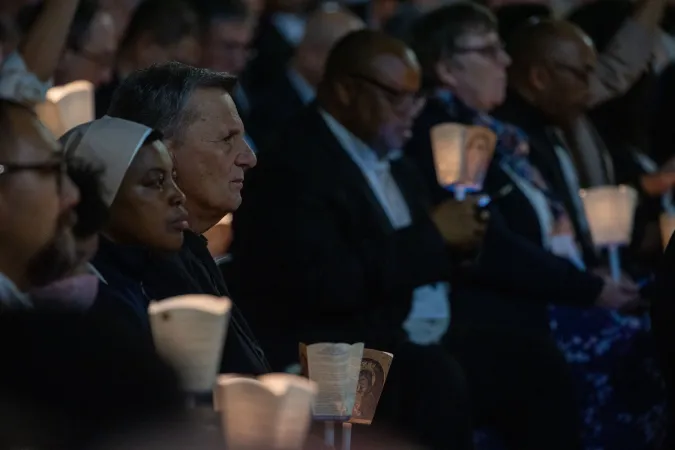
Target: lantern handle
{"type": "Point", "coordinates": [614, 262]}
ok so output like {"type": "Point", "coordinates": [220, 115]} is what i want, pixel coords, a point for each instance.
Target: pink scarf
{"type": "Point", "coordinates": [77, 292]}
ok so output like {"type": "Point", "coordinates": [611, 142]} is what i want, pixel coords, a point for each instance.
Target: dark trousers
{"type": "Point", "coordinates": [516, 384]}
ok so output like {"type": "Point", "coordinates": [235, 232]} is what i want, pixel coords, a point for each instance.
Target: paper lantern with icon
{"type": "Point", "coordinates": [610, 211]}
{"type": "Point", "coordinates": [462, 155]}
{"type": "Point", "coordinates": [272, 412]}
{"type": "Point", "coordinates": [74, 103]}
{"type": "Point", "coordinates": [667, 224]}
{"type": "Point", "coordinates": [189, 332]}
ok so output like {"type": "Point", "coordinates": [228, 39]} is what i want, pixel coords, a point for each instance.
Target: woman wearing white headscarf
{"type": "Point", "coordinates": [146, 216]}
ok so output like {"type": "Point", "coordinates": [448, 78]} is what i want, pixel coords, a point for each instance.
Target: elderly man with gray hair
{"type": "Point", "coordinates": [194, 110]}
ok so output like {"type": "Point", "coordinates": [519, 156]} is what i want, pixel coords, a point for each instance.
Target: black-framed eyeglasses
{"type": "Point", "coordinates": [401, 101]}
{"type": "Point", "coordinates": [57, 167]}
{"type": "Point", "coordinates": [492, 51]}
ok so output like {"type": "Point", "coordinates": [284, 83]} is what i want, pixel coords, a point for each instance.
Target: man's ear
{"type": "Point", "coordinates": [344, 93]}
{"type": "Point", "coordinates": [445, 74]}
{"type": "Point", "coordinates": [539, 77]}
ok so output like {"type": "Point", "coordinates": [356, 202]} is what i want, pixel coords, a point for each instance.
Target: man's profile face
{"type": "Point", "coordinates": [229, 46]}
{"type": "Point", "coordinates": [571, 63]}
{"type": "Point", "coordinates": [37, 206]}
{"type": "Point", "coordinates": [211, 155]}
{"type": "Point", "coordinates": [94, 60]}
{"type": "Point", "coordinates": [386, 101]}
{"type": "Point", "coordinates": [477, 72]}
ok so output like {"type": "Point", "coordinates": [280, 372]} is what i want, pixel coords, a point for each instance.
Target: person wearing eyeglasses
{"type": "Point", "coordinates": [465, 66]}
{"type": "Point", "coordinates": [78, 288]}
{"type": "Point", "coordinates": [37, 201]}
{"type": "Point", "coordinates": [336, 240]}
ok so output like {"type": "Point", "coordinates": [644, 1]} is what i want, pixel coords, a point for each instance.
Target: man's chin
{"type": "Point", "coordinates": [56, 260]}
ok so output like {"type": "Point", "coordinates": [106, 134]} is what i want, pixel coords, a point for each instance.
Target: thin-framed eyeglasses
{"type": "Point", "coordinates": [400, 101]}
{"type": "Point", "coordinates": [57, 167]}
{"type": "Point", "coordinates": [493, 51]}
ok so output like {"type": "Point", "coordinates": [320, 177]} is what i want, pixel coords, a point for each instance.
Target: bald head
{"type": "Point", "coordinates": [371, 86]}
{"type": "Point", "coordinates": [544, 42]}
{"type": "Point", "coordinates": [324, 28]}
{"type": "Point", "coordinates": [552, 64]}
{"type": "Point", "coordinates": [370, 53]}
{"type": "Point", "coordinates": [328, 25]}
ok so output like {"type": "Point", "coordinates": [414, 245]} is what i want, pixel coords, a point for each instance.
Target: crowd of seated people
{"type": "Point", "coordinates": [294, 136]}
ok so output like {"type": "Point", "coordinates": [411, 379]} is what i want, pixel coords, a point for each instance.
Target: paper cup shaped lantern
{"type": "Point", "coordinates": [189, 332]}
{"type": "Point", "coordinates": [610, 211]}
{"type": "Point", "coordinates": [667, 223]}
{"type": "Point", "coordinates": [462, 154]}
{"type": "Point", "coordinates": [75, 103]}
{"type": "Point", "coordinates": [272, 412]}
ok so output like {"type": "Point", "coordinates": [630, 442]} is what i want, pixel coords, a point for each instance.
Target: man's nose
{"type": "Point", "coordinates": [70, 194]}
{"type": "Point", "coordinates": [246, 157]}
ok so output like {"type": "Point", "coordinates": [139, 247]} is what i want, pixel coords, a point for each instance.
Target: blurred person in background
{"type": "Point", "coordinates": [29, 65]}
{"type": "Point", "coordinates": [465, 66]}
{"type": "Point", "coordinates": [295, 88]}
{"type": "Point", "coordinates": [90, 46]}
{"type": "Point", "coordinates": [280, 30]}
{"type": "Point", "coordinates": [625, 124]}
{"type": "Point", "coordinates": [356, 247]}
{"type": "Point", "coordinates": [159, 31]}
{"type": "Point", "coordinates": [121, 12]}
{"type": "Point", "coordinates": [37, 201]}
{"type": "Point", "coordinates": [194, 110]}
{"type": "Point", "coordinates": [228, 37]}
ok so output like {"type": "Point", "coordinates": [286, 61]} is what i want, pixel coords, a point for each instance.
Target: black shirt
{"type": "Point", "coordinates": [193, 271]}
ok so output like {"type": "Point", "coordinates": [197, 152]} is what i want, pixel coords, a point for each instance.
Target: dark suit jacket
{"type": "Point", "coordinates": [272, 109]}
{"type": "Point", "coordinates": [542, 154]}
{"type": "Point", "coordinates": [315, 257]}
{"type": "Point", "coordinates": [515, 278]}
{"type": "Point", "coordinates": [273, 53]}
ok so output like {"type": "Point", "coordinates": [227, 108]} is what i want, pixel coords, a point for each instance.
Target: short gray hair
{"type": "Point", "coordinates": [157, 96]}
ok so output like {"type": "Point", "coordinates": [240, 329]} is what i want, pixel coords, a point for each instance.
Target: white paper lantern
{"type": "Point", "coordinates": [272, 412]}
{"type": "Point", "coordinates": [462, 154]}
{"type": "Point", "coordinates": [189, 332]}
{"type": "Point", "coordinates": [75, 102]}
{"type": "Point", "coordinates": [610, 211]}
{"type": "Point", "coordinates": [667, 223]}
